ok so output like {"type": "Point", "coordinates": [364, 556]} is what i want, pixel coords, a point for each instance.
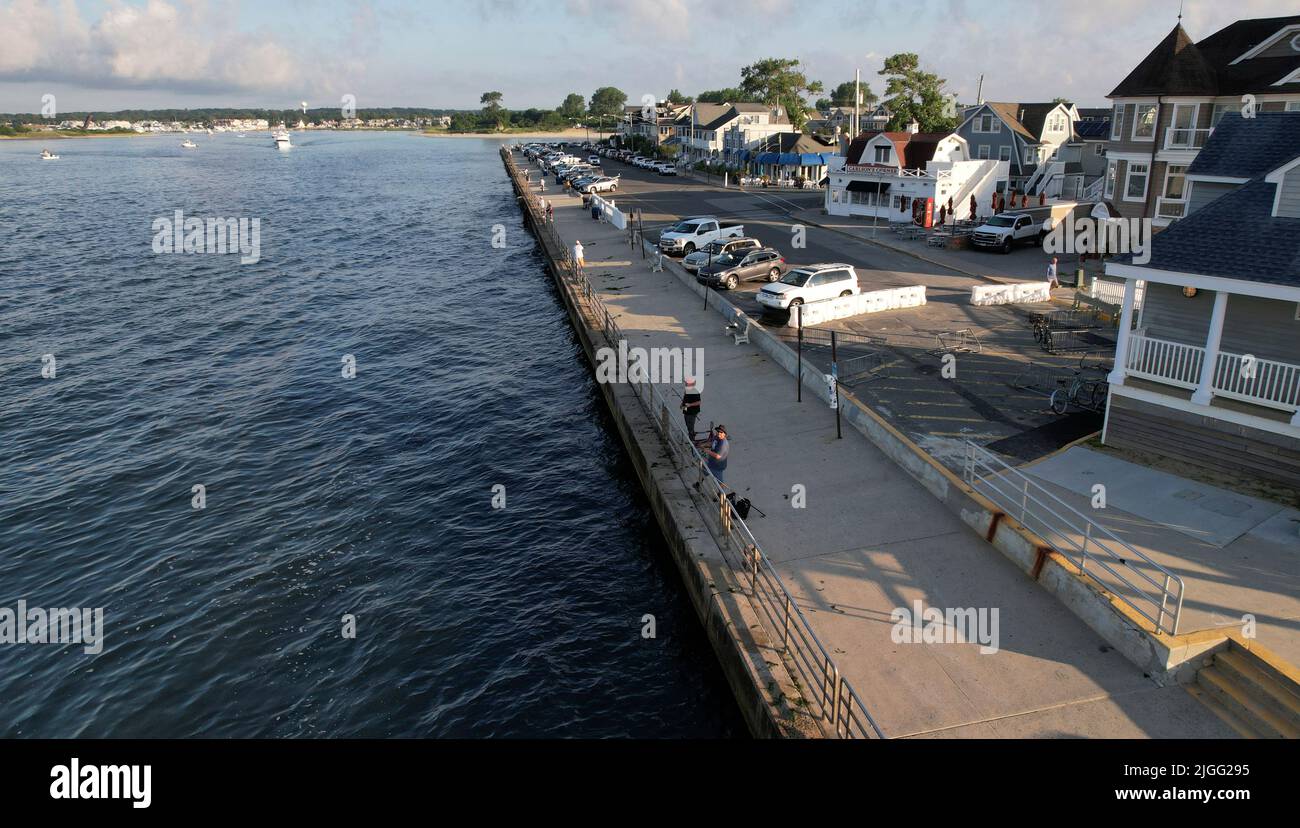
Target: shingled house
{"type": "Point", "coordinates": [1209, 370]}
{"type": "Point", "coordinates": [1166, 108]}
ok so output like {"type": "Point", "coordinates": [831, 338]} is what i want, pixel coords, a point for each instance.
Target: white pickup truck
{"type": "Point", "coordinates": [690, 234]}
{"type": "Point", "coordinates": [1006, 230]}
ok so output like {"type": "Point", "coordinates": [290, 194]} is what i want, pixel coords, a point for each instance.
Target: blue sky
{"type": "Point", "coordinates": [113, 54]}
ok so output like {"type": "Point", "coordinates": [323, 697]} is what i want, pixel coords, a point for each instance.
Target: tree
{"type": "Point", "coordinates": [607, 100]}
{"type": "Point", "coordinates": [780, 81]}
{"type": "Point", "coordinates": [573, 107]}
{"type": "Point", "coordinates": [717, 96]}
{"type": "Point", "coordinates": [676, 97]}
{"type": "Point", "coordinates": [842, 95]}
{"type": "Point", "coordinates": [913, 94]}
{"type": "Point", "coordinates": [495, 115]}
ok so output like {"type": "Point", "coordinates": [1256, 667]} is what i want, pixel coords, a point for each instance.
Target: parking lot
{"type": "Point", "coordinates": [893, 360]}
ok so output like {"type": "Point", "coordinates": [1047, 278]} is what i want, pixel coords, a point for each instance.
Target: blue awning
{"type": "Point", "coordinates": [813, 159]}
{"type": "Point", "coordinates": [768, 158]}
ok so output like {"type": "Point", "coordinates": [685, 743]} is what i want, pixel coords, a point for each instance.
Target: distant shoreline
{"type": "Point", "coordinates": [557, 136]}
{"type": "Point", "coordinates": [64, 136]}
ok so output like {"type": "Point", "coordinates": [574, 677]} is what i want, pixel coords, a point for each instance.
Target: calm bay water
{"type": "Point", "coordinates": [326, 496]}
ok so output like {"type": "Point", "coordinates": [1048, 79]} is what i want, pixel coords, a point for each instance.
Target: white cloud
{"type": "Point", "coordinates": [187, 45]}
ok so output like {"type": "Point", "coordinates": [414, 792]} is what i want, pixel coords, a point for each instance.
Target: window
{"type": "Point", "coordinates": [1293, 106]}
{"type": "Point", "coordinates": [1004, 153]}
{"type": "Point", "coordinates": [1175, 182]}
{"type": "Point", "coordinates": [1031, 155]}
{"type": "Point", "coordinates": [1182, 133]}
{"type": "Point", "coordinates": [983, 152]}
{"type": "Point", "coordinates": [1219, 111]}
{"type": "Point", "coordinates": [987, 123]}
{"type": "Point", "coordinates": [1117, 123]}
{"type": "Point", "coordinates": [1135, 186]}
{"type": "Point", "coordinates": [1144, 122]}
{"type": "Point", "coordinates": [882, 155]}
{"type": "Point", "coordinates": [1099, 148]}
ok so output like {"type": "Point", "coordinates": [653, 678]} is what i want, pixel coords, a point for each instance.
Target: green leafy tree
{"type": "Point", "coordinates": [573, 107]}
{"type": "Point", "coordinates": [912, 93]}
{"type": "Point", "coordinates": [730, 95]}
{"type": "Point", "coordinates": [608, 101]}
{"type": "Point", "coordinates": [495, 116]}
{"type": "Point", "coordinates": [780, 81]}
{"type": "Point", "coordinates": [842, 95]}
{"type": "Point", "coordinates": [676, 97]}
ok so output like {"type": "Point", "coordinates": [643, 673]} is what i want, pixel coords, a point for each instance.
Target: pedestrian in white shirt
{"type": "Point", "coordinates": [1053, 282]}
{"type": "Point", "coordinates": [577, 255]}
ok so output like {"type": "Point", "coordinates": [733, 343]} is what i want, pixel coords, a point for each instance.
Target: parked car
{"type": "Point", "coordinates": [593, 159]}
{"type": "Point", "coordinates": [811, 283]}
{"type": "Point", "coordinates": [743, 266]}
{"type": "Point", "coordinates": [1006, 230]}
{"type": "Point", "coordinates": [667, 168]}
{"type": "Point", "coordinates": [604, 184]}
{"type": "Point", "coordinates": [701, 257]}
{"type": "Point", "coordinates": [690, 234]}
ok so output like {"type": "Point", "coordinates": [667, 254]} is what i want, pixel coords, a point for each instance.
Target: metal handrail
{"type": "Point", "coordinates": [1057, 523]}
{"type": "Point", "coordinates": [839, 704]}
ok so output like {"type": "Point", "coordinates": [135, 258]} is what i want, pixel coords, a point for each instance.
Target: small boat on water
{"type": "Point", "coordinates": [242, 135]}
{"type": "Point", "coordinates": [281, 138]}
{"type": "Point", "coordinates": [46, 155]}
{"type": "Point", "coordinates": [188, 144]}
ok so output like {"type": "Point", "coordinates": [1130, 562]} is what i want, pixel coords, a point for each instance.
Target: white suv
{"type": "Point", "coordinates": [811, 283]}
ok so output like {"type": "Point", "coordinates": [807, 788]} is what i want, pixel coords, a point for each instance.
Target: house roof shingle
{"type": "Point", "coordinates": [1235, 236]}
{"type": "Point", "coordinates": [913, 148]}
{"type": "Point", "coordinates": [1249, 147]}
{"type": "Point", "coordinates": [1177, 66]}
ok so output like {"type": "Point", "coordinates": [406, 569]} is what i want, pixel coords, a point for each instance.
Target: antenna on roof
{"type": "Point", "coordinates": [1180, 12]}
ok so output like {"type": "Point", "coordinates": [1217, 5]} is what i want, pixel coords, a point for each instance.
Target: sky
{"type": "Point", "coordinates": [104, 55]}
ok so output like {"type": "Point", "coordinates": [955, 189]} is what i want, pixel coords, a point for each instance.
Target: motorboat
{"type": "Point", "coordinates": [46, 155]}
{"type": "Point", "coordinates": [282, 141]}
{"type": "Point", "coordinates": [188, 144]}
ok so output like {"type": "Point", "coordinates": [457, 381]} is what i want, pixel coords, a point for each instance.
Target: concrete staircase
{"type": "Point", "coordinates": [1258, 695]}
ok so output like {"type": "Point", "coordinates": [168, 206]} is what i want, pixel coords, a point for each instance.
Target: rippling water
{"type": "Point", "coordinates": [325, 496]}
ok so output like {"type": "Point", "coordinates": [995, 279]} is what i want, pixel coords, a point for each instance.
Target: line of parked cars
{"type": "Point", "coordinates": [642, 161]}
{"type": "Point", "coordinates": [728, 257]}
{"type": "Point", "coordinates": [583, 174]}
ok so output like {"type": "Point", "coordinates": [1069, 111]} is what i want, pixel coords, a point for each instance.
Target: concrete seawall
{"type": "Point", "coordinates": [770, 701]}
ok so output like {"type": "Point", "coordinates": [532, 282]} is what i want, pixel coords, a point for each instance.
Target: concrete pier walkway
{"type": "Point", "coordinates": [871, 540]}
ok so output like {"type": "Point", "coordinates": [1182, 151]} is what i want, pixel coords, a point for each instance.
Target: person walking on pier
{"type": "Point", "coordinates": [1052, 280]}
{"type": "Point", "coordinates": [717, 452]}
{"type": "Point", "coordinates": [578, 261]}
{"type": "Point", "coordinates": [691, 405]}
{"type": "Point", "coordinates": [550, 213]}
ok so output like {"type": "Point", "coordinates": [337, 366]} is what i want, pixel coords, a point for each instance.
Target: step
{"type": "Point", "coordinates": [1264, 687]}
{"type": "Point", "coordinates": [1242, 729]}
{"type": "Point", "coordinates": [1243, 707]}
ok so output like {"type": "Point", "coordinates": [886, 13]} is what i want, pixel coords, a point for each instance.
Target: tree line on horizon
{"type": "Point", "coordinates": [910, 93]}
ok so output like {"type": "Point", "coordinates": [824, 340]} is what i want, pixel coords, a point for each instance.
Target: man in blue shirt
{"type": "Point", "coordinates": [716, 454]}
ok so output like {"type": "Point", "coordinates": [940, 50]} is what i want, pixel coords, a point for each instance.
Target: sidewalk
{"type": "Point", "coordinates": [871, 540]}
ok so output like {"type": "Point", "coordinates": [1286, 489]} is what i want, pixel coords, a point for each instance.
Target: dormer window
{"type": "Point", "coordinates": [882, 155]}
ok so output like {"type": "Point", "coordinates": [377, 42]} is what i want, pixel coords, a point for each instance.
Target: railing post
{"type": "Point", "coordinates": [1164, 602]}
{"type": "Point", "coordinates": [785, 630]}
{"type": "Point", "coordinates": [1024, 502]}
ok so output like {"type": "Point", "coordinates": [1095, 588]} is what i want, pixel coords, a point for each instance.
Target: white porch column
{"type": "Point", "coordinates": [1205, 387]}
{"type": "Point", "coordinates": [1118, 373]}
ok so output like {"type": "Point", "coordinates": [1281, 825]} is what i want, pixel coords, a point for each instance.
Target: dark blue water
{"type": "Point", "coordinates": [325, 496]}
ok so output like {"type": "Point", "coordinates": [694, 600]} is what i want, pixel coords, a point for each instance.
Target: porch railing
{"type": "Point", "coordinates": [1243, 377]}
{"type": "Point", "coordinates": [1160, 360]}
{"type": "Point", "coordinates": [1171, 208]}
{"type": "Point", "coordinates": [1177, 138]}
{"type": "Point", "coordinates": [1260, 381]}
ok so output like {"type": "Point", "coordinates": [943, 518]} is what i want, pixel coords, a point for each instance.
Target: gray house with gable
{"type": "Point", "coordinates": [1026, 135]}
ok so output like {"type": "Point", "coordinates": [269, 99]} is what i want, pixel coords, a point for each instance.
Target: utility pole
{"type": "Point", "coordinates": [857, 101]}
{"type": "Point", "coordinates": [979, 92]}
